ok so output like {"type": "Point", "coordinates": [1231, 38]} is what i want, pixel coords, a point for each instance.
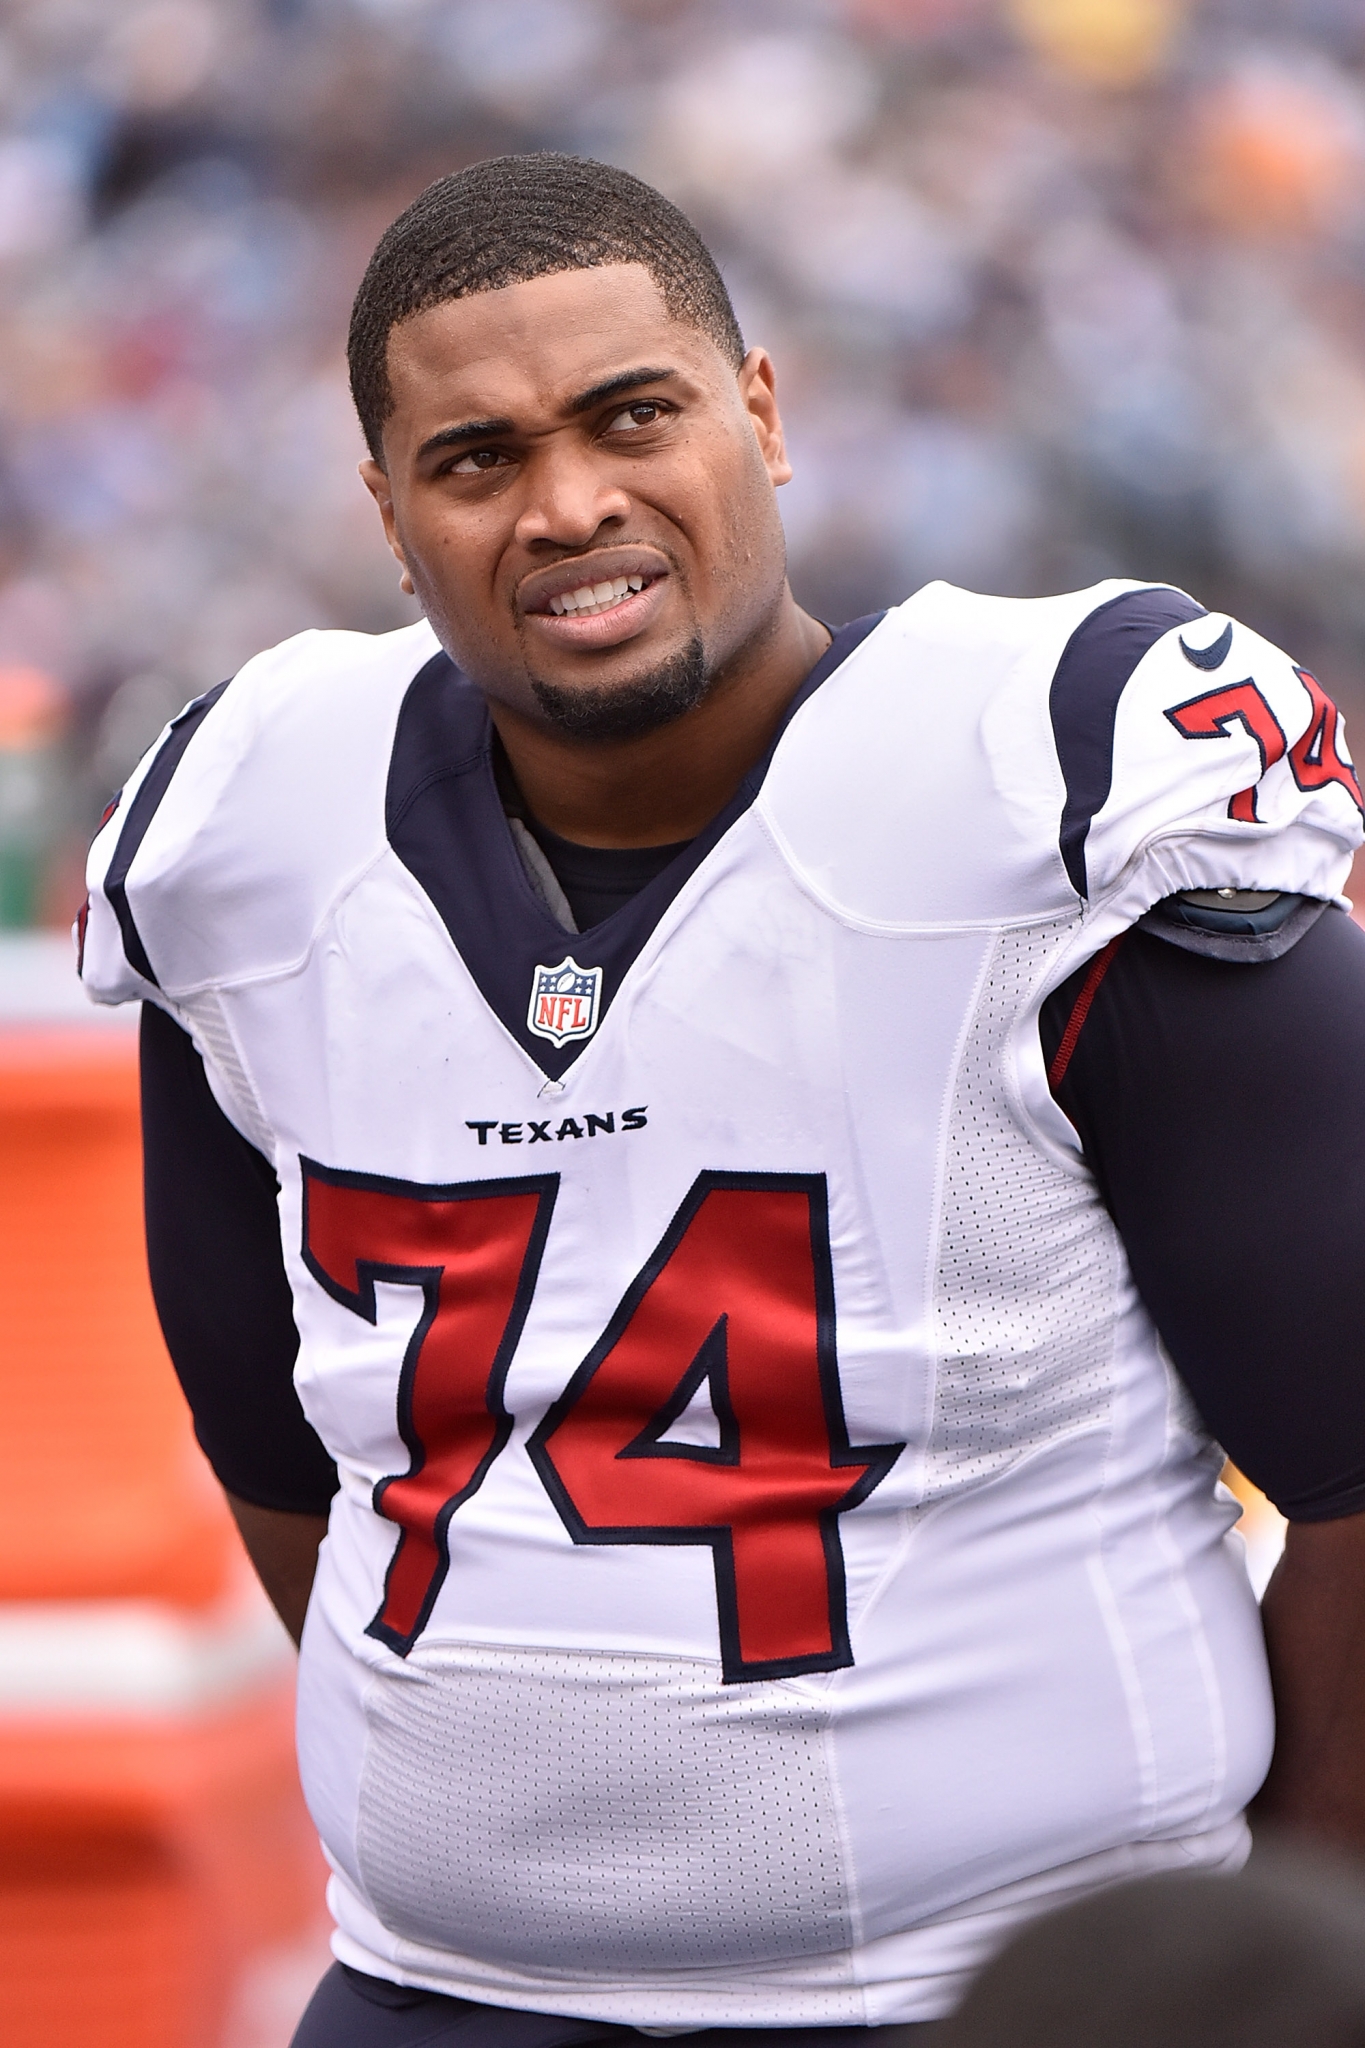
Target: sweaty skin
{"type": "Point", "coordinates": [511, 476]}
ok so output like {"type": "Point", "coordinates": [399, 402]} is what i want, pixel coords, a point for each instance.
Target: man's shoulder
{"type": "Point", "coordinates": [248, 812]}
{"type": "Point", "coordinates": [944, 614]}
{"type": "Point", "coordinates": [981, 759]}
{"type": "Point", "coordinates": [310, 667]}
{"type": "Point", "coordinates": [294, 743]}
{"type": "Point", "coordinates": [1070, 654]}
{"type": "Point", "coordinates": [320, 698]}
{"type": "Point", "coordinates": [921, 785]}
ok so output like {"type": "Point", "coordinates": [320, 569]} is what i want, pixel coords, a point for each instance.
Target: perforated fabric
{"type": "Point", "coordinates": [203, 1014]}
{"type": "Point", "coordinates": [1028, 1263]}
{"type": "Point", "coordinates": [626, 1812]}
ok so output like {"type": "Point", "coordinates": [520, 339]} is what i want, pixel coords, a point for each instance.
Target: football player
{"type": "Point", "coordinates": [716, 1186]}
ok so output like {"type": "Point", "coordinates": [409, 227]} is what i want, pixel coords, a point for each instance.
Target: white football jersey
{"type": "Point", "coordinates": [773, 1552]}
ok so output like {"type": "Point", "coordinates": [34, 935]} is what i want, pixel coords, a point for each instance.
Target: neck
{"type": "Point", "coordinates": [664, 786]}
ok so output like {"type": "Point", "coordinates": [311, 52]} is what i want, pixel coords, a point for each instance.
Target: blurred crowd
{"type": "Point", "coordinates": [1057, 289]}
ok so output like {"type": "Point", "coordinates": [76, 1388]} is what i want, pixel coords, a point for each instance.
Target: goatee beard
{"type": "Point", "coordinates": [669, 691]}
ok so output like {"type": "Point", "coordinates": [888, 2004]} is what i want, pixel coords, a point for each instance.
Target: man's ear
{"type": "Point", "coordinates": [376, 483]}
{"type": "Point", "coordinates": [758, 391]}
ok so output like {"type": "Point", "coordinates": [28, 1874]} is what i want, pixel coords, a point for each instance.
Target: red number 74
{"type": "Point", "coordinates": [1315, 759]}
{"type": "Point", "coordinates": [738, 1297]}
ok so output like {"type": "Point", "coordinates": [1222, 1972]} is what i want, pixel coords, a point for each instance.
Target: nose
{"type": "Point", "coordinates": [569, 497]}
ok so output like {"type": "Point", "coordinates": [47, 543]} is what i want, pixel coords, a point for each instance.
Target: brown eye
{"type": "Point", "coordinates": [476, 461]}
{"type": "Point", "coordinates": [645, 412]}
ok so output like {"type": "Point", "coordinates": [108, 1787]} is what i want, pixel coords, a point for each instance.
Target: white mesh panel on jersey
{"type": "Point", "coordinates": [203, 1016]}
{"type": "Point", "coordinates": [582, 1812]}
{"type": "Point", "coordinates": [1028, 1263]}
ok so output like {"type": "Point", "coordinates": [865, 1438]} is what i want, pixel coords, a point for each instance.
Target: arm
{"type": "Point", "coordinates": [1314, 1616]}
{"type": "Point", "coordinates": [284, 1550]}
{"type": "Point", "coordinates": [217, 1270]}
{"type": "Point", "coordinates": [1221, 1105]}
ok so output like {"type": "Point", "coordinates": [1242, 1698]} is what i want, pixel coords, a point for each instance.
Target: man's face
{"type": "Point", "coordinates": [580, 488]}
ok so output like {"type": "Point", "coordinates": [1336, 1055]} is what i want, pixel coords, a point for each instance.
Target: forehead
{"type": "Point", "coordinates": [528, 349]}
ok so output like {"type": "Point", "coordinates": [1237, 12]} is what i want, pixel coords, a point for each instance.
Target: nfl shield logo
{"type": "Point", "coordinates": [565, 1001]}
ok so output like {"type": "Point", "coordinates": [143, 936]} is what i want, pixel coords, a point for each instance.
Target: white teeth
{"type": "Point", "coordinates": [595, 597]}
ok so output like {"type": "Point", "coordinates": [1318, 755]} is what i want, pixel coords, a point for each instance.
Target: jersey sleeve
{"type": "Point", "coordinates": [1211, 760]}
{"type": "Point", "coordinates": [1220, 1104]}
{"type": "Point", "coordinates": [1186, 756]}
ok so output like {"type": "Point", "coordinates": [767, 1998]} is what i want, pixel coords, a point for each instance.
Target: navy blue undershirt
{"type": "Point", "coordinates": [598, 880]}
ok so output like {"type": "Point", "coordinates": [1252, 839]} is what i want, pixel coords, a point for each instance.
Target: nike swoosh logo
{"type": "Point", "coordinates": [1209, 657]}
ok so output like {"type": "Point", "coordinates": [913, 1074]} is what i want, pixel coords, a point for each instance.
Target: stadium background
{"type": "Point", "coordinates": [1057, 289]}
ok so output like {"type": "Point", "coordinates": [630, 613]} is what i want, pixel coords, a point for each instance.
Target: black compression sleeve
{"type": "Point", "coordinates": [1221, 1107]}
{"type": "Point", "coordinates": [213, 1247]}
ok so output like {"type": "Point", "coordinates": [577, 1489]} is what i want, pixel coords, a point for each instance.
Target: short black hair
{"type": "Point", "coordinates": [512, 218]}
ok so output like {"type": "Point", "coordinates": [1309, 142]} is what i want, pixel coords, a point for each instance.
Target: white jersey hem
{"type": "Point", "coordinates": [919, 1974]}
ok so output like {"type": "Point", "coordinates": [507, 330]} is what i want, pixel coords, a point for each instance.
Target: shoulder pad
{"type": "Point", "coordinates": [253, 809]}
{"type": "Point", "coordinates": [919, 786]}
{"type": "Point", "coordinates": [1233, 924]}
{"type": "Point", "coordinates": [979, 760]}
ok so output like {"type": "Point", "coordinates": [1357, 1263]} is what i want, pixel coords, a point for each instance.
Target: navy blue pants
{"type": "Point", "coordinates": [349, 2010]}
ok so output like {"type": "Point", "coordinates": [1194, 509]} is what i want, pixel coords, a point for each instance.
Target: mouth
{"type": "Point", "coordinates": [591, 598]}
{"type": "Point", "coordinates": [596, 600]}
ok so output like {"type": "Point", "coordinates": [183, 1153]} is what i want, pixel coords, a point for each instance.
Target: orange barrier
{"type": "Point", "coordinates": [153, 1840]}
{"type": "Point", "coordinates": [142, 1866]}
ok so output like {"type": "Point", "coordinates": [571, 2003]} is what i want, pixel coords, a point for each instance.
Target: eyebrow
{"type": "Point", "coordinates": [470, 430]}
{"type": "Point", "coordinates": [597, 394]}
{"type": "Point", "coordinates": [615, 387]}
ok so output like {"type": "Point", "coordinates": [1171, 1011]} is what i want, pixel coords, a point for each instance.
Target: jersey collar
{"type": "Point", "coordinates": [445, 821]}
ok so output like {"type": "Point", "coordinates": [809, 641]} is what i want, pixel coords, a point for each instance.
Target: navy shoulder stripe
{"type": "Point", "coordinates": [1095, 666]}
{"type": "Point", "coordinates": [141, 811]}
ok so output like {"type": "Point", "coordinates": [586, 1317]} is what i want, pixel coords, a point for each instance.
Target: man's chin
{"type": "Point", "coordinates": [632, 707]}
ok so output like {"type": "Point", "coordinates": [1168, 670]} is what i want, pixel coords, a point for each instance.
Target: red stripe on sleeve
{"type": "Point", "coordinates": [1099, 967]}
